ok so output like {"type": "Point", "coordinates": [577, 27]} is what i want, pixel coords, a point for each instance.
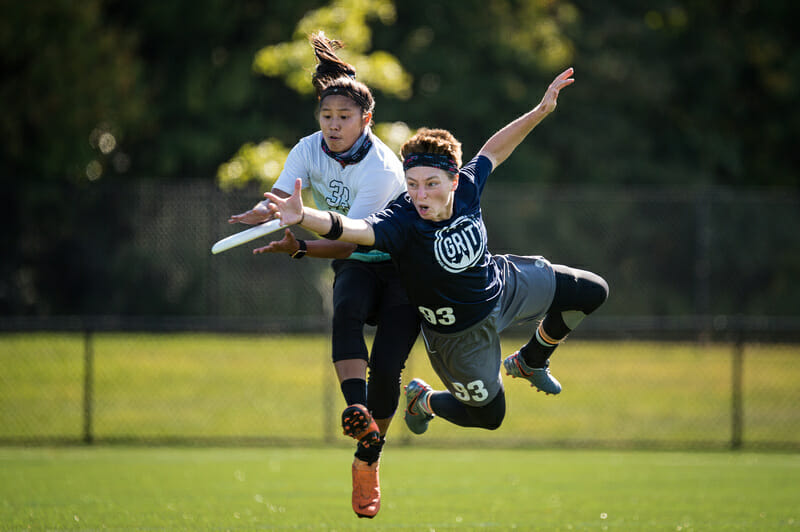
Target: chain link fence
{"type": "Point", "coordinates": [120, 326]}
{"type": "Point", "coordinates": [213, 388]}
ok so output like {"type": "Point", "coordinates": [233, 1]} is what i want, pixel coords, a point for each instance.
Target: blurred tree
{"type": "Point", "coordinates": [681, 91]}
{"type": "Point", "coordinates": [292, 61]}
{"type": "Point", "coordinates": [203, 101]}
{"type": "Point", "coordinates": [508, 45]}
{"type": "Point", "coordinates": [72, 91]}
{"type": "Point", "coordinates": [737, 81]}
{"type": "Point", "coordinates": [668, 92]}
{"type": "Point", "coordinates": [347, 21]}
{"type": "Point", "coordinates": [478, 65]}
{"type": "Point", "coordinates": [72, 94]}
{"type": "Point", "coordinates": [261, 163]}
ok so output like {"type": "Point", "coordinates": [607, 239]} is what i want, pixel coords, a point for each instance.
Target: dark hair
{"type": "Point", "coordinates": [334, 76]}
{"type": "Point", "coordinates": [435, 141]}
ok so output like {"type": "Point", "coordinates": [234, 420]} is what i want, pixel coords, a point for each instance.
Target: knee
{"type": "Point", "coordinates": [494, 421]}
{"type": "Point", "coordinates": [495, 424]}
{"type": "Point", "coordinates": [594, 292]}
{"type": "Point", "coordinates": [491, 416]}
{"type": "Point", "coordinates": [348, 308]}
{"type": "Point", "coordinates": [349, 316]}
{"type": "Point", "coordinates": [600, 292]}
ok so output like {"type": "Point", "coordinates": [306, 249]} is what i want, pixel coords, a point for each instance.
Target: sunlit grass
{"type": "Point", "coordinates": [283, 388]}
{"type": "Point", "coordinates": [423, 489]}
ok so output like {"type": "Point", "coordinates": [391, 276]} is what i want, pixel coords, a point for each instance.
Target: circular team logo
{"type": "Point", "coordinates": [460, 245]}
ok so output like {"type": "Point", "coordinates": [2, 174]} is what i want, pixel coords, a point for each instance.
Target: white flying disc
{"type": "Point", "coordinates": [247, 235]}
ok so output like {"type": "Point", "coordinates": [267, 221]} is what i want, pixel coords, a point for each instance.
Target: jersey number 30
{"type": "Point", "coordinates": [440, 316]}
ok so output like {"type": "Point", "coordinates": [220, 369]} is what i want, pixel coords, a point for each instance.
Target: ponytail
{"type": "Point", "coordinates": [334, 76]}
{"type": "Point", "coordinates": [329, 66]}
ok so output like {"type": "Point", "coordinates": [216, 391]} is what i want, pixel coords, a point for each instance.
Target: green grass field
{"type": "Point", "coordinates": [214, 386]}
{"type": "Point", "coordinates": [108, 488]}
{"type": "Point", "coordinates": [206, 387]}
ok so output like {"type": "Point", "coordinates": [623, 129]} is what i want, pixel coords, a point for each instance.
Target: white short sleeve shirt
{"type": "Point", "coordinates": [355, 190]}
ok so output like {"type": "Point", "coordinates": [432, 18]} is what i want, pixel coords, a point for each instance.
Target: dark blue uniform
{"type": "Point", "coordinates": [466, 295]}
{"type": "Point", "coordinates": [432, 252]}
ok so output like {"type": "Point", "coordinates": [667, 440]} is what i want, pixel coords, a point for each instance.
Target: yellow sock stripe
{"type": "Point", "coordinates": [544, 336]}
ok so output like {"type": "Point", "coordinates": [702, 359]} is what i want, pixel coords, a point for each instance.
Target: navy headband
{"type": "Point", "coordinates": [435, 160]}
{"type": "Point", "coordinates": [341, 90]}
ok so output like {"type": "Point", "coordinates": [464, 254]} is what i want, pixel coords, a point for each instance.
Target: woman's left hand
{"type": "Point", "coordinates": [289, 210]}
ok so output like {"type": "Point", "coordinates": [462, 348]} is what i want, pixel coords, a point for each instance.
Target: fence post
{"type": "Point", "coordinates": [737, 407]}
{"type": "Point", "coordinates": [328, 410]}
{"type": "Point", "coordinates": [88, 386]}
{"type": "Point", "coordinates": [702, 263]}
{"type": "Point", "coordinates": [323, 283]}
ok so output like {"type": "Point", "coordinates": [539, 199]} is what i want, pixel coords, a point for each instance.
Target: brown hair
{"type": "Point", "coordinates": [334, 76]}
{"type": "Point", "coordinates": [436, 141]}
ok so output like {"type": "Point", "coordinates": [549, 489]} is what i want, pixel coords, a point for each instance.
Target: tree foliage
{"type": "Point", "coordinates": [71, 90]}
{"type": "Point", "coordinates": [347, 21]}
{"type": "Point", "coordinates": [668, 91]}
{"type": "Point", "coordinates": [292, 62]}
{"type": "Point", "coordinates": [104, 94]}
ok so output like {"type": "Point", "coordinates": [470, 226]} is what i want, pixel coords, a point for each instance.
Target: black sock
{"type": "Point", "coordinates": [370, 454]}
{"type": "Point", "coordinates": [354, 391]}
{"type": "Point", "coordinates": [539, 349]}
{"type": "Point", "coordinates": [535, 355]}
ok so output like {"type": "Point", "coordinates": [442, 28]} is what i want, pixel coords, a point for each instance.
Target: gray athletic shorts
{"type": "Point", "coordinates": [468, 362]}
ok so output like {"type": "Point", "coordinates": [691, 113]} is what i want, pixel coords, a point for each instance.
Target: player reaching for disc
{"type": "Point", "coordinates": [465, 295]}
{"type": "Point", "coordinates": [350, 171]}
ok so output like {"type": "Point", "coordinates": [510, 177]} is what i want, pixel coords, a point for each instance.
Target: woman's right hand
{"type": "Point", "coordinates": [550, 98]}
{"type": "Point", "coordinates": [288, 244]}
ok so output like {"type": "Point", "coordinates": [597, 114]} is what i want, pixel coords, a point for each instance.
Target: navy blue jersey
{"type": "Point", "coordinates": [445, 266]}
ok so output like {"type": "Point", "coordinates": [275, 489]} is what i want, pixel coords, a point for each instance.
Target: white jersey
{"type": "Point", "coordinates": [355, 190]}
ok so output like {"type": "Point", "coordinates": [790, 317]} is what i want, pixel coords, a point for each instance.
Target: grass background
{"type": "Point", "coordinates": [282, 389]}
{"type": "Point", "coordinates": [202, 388]}
{"type": "Point", "coordinates": [423, 489]}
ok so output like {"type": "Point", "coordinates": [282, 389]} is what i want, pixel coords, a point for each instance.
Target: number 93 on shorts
{"type": "Point", "coordinates": [468, 363]}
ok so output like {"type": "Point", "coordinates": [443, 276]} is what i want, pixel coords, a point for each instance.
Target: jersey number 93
{"type": "Point", "coordinates": [440, 316]}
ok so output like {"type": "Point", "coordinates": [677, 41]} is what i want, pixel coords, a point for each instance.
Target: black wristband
{"type": "Point", "coordinates": [336, 226]}
{"type": "Point", "coordinates": [301, 252]}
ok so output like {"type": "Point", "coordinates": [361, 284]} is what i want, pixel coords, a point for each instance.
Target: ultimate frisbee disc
{"type": "Point", "coordinates": [247, 235]}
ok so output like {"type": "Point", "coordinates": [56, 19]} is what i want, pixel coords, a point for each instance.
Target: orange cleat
{"type": "Point", "coordinates": [357, 423]}
{"type": "Point", "coordinates": [366, 489]}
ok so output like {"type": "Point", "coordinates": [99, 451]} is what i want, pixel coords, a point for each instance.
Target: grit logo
{"type": "Point", "coordinates": [460, 245]}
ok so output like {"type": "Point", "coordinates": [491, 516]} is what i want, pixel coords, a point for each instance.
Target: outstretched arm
{"type": "Point", "coordinates": [503, 143]}
{"type": "Point", "coordinates": [260, 213]}
{"type": "Point", "coordinates": [322, 249]}
{"type": "Point", "coordinates": [292, 212]}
